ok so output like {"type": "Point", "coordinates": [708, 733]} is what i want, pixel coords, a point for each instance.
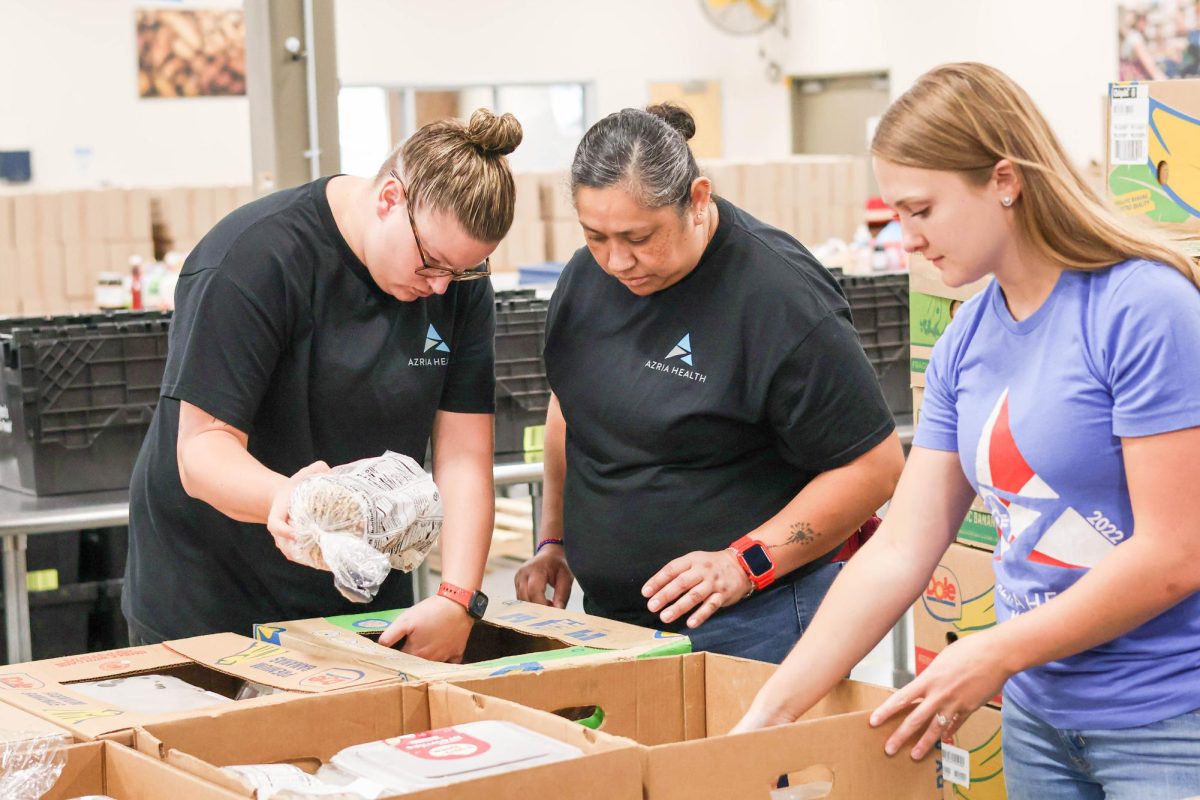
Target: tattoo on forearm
{"type": "Point", "coordinates": [801, 533]}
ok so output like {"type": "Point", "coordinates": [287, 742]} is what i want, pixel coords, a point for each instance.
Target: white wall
{"type": "Point", "coordinates": [617, 46]}
{"type": "Point", "coordinates": [69, 82]}
{"type": "Point", "coordinates": [70, 74]}
{"type": "Point", "coordinates": [1063, 52]}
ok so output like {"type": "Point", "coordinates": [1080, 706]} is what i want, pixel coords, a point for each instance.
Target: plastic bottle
{"type": "Point", "coordinates": [135, 283]}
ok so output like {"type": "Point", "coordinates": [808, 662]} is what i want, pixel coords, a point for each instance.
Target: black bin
{"type": "Point", "coordinates": [522, 391]}
{"type": "Point", "coordinates": [879, 306]}
{"type": "Point", "coordinates": [76, 396]}
{"type": "Point", "coordinates": [60, 620]}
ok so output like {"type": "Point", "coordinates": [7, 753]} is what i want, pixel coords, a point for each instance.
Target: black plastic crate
{"type": "Point", "coordinates": [520, 423]}
{"type": "Point", "coordinates": [102, 553]}
{"type": "Point", "coordinates": [60, 620]}
{"type": "Point", "coordinates": [79, 392]}
{"type": "Point", "coordinates": [53, 551]}
{"type": "Point", "coordinates": [879, 307]}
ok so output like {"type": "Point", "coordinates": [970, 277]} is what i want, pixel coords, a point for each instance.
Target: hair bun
{"type": "Point", "coordinates": [494, 135]}
{"type": "Point", "coordinates": [677, 117]}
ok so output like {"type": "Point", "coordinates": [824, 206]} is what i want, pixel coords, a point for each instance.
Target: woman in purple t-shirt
{"type": "Point", "coordinates": [1067, 395]}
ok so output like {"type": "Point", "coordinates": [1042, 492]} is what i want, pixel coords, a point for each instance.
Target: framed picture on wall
{"type": "Point", "coordinates": [1158, 39]}
{"type": "Point", "coordinates": [191, 53]}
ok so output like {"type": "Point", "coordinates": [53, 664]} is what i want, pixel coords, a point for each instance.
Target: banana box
{"type": "Point", "coordinates": [971, 763]}
{"type": "Point", "coordinates": [958, 601]}
{"type": "Point", "coordinates": [931, 306]}
{"type": "Point", "coordinates": [978, 529]}
{"type": "Point", "coordinates": [1153, 154]}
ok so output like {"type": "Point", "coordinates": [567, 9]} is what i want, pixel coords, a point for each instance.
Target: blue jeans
{"type": "Point", "coordinates": [1153, 762]}
{"type": "Point", "coordinates": [768, 624]}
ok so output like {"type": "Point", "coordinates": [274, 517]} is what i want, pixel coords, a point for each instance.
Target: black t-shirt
{"type": "Point", "coordinates": [280, 331]}
{"type": "Point", "coordinates": [695, 414]}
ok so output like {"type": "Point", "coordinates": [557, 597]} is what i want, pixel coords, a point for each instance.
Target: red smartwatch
{"type": "Point", "coordinates": [475, 603]}
{"type": "Point", "coordinates": [755, 561]}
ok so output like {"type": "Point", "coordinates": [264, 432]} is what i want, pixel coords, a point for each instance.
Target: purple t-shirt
{"type": "Point", "coordinates": [1036, 410]}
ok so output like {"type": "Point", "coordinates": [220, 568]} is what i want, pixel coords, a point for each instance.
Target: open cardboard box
{"type": "Point", "coordinates": [680, 709]}
{"type": "Point", "coordinates": [513, 636]}
{"type": "Point", "coordinates": [308, 731]}
{"type": "Point", "coordinates": [106, 768]}
{"type": "Point", "coordinates": [222, 663]}
{"type": "Point", "coordinates": [981, 739]}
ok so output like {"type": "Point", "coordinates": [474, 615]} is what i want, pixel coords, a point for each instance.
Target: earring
{"type": "Point", "coordinates": [1006, 202]}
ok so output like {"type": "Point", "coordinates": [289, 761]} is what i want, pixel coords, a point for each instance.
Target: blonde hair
{"type": "Point", "coordinates": [461, 168]}
{"type": "Point", "coordinates": [967, 117]}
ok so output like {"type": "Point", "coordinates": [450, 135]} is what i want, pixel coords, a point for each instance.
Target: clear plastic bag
{"type": "Point", "coordinates": [364, 519]}
{"type": "Point", "coordinates": [30, 764]}
{"type": "Point", "coordinates": [284, 781]}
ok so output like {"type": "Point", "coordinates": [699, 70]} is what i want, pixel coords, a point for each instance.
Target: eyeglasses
{"type": "Point", "coordinates": [428, 270]}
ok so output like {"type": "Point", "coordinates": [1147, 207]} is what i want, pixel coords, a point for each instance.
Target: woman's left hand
{"type": "Point", "coordinates": [708, 580]}
{"type": "Point", "coordinates": [962, 678]}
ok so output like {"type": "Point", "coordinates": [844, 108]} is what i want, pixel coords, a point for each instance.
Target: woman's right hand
{"type": "Point", "coordinates": [547, 568]}
{"type": "Point", "coordinates": [278, 522]}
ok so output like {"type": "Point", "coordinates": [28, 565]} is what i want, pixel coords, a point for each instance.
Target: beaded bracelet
{"type": "Point", "coordinates": [545, 542]}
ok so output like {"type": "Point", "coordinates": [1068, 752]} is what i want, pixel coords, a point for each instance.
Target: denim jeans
{"type": "Point", "coordinates": [768, 624]}
{"type": "Point", "coordinates": [1154, 762]}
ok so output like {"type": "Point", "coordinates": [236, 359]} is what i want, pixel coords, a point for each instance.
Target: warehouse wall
{"type": "Point", "coordinates": [1063, 52]}
{"type": "Point", "coordinates": [618, 46]}
{"type": "Point", "coordinates": [70, 82]}
{"type": "Point", "coordinates": [70, 73]}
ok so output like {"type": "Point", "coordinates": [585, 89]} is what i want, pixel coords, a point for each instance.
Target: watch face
{"type": "Point", "coordinates": [478, 605]}
{"type": "Point", "coordinates": [757, 559]}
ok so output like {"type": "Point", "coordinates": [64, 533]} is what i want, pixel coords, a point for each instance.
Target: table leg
{"type": "Point", "coordinates": [16, 600]}
{"type": "Point", "coordinates": [900, 647]}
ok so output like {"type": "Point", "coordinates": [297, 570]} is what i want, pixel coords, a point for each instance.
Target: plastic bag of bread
{"type": "Point", "coordinates": [363, 519]}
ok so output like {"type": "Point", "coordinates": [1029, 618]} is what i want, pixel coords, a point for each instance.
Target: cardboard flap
{"type": "Point", "coordinates": [730, 685]}
{"type": "Point", "coordinates": [308, 670]}
{"type": "Point", "coordinates": [843, 747]}
{"type": "Point", "coordinates": [572, 626]}
{"type": "Point", "coordinates": [89, 666]}
{"type": "Point", "coordinates": [129, 774]}
{"type": "Point", "coordinates": [17, 725]}
{"type": "Point", "coordinates": [83, 773]}
{"type": "Point", "coordinates": [925, 278]}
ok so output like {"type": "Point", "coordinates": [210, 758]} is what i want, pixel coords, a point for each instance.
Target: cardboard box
{"type": "Point", "coordinates": [18, 725]}
{"type": "Point", "coordinates": [563, 238]}
{"type": "Point", "coordinates": [1153, 154]}
{"type": "Point", "coordinates": [138, 203]}
{"type": "Point", "coordinates": [7, 225]}
{"type": "Point", "coordinates": [726, 177]}
{"type": "Point", "coordinates": [52, 277]}
{"type": "Point", "coordinates": [931, 306]}
{"type": "Point", "coordinates": [957, 602]}
{"type": "Point", "coordinates": [557, 203]}
{"type": "Point", "coordinates": [308, 731]}
{"type": "Point", "coordinates": [980, 736]}
{"type": "Point", "coordinates": [513, 636]}
{"type": "Point", "coordinates": [105, 768]}
{"type": "Point", "coordinates": [222, 663]}
{"type": "Point", "coordinates": [10, 282]}
{"type": "Point", "coordinates": [525, 244]}
{"type": "Point", "coordinates": [680, 710]}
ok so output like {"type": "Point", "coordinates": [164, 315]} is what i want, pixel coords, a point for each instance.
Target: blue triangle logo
{"type": "Point", "coordinates": [683, 350]}
{"type": "Point", "coordinates": [434, 341]}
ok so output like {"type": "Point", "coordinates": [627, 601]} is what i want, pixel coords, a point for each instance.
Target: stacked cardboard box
{"type": "Point", "coordinates": [107, 769]}
{"type": "Point", "coordinates": [932, 304]}
{"type": "Point", "coordinates": [564, 236]}
{"type": "Point", "coordinates": [1153, 154]}
{"type": "Point", "coordinates": [525, 243]}
{"type": "Point", "coordinates": [814, 198]}
{"type": "Point", "coordinates": [182, 215]}
{"type": "Point", "coordinates": [53, 245]}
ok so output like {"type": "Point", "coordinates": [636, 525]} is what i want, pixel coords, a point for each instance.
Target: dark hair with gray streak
{"type": "Point", "coordinates": [644, 152]}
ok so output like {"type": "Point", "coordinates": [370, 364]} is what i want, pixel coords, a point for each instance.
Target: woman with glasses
{"type": "Point", "coordinates": [320, 325]}
{"type": "Point", "coordinates": [716, 431]}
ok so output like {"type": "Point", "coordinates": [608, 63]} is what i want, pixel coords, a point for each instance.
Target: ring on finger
{"type": "Point", "coordinates": [941, 720]}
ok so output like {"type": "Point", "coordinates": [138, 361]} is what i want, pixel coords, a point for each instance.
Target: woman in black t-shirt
{"type": "Point", "coordinates": [320, 325]}
{"type": "Point", "coordinates": [715, 432]}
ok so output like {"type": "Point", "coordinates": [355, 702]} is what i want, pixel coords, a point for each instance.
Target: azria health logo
{"type": "Point", "coordinates": [680, 353]}
{"type": "Point", "coordinates": [437, 344]}
{"type": "Point", "coordinates": [434, 341]}
{"type": "Point", "coordinates": [683, 350]}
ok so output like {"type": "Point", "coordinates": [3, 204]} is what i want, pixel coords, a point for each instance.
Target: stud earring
{"type": "Point", "coordinates": [1006, 202]}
